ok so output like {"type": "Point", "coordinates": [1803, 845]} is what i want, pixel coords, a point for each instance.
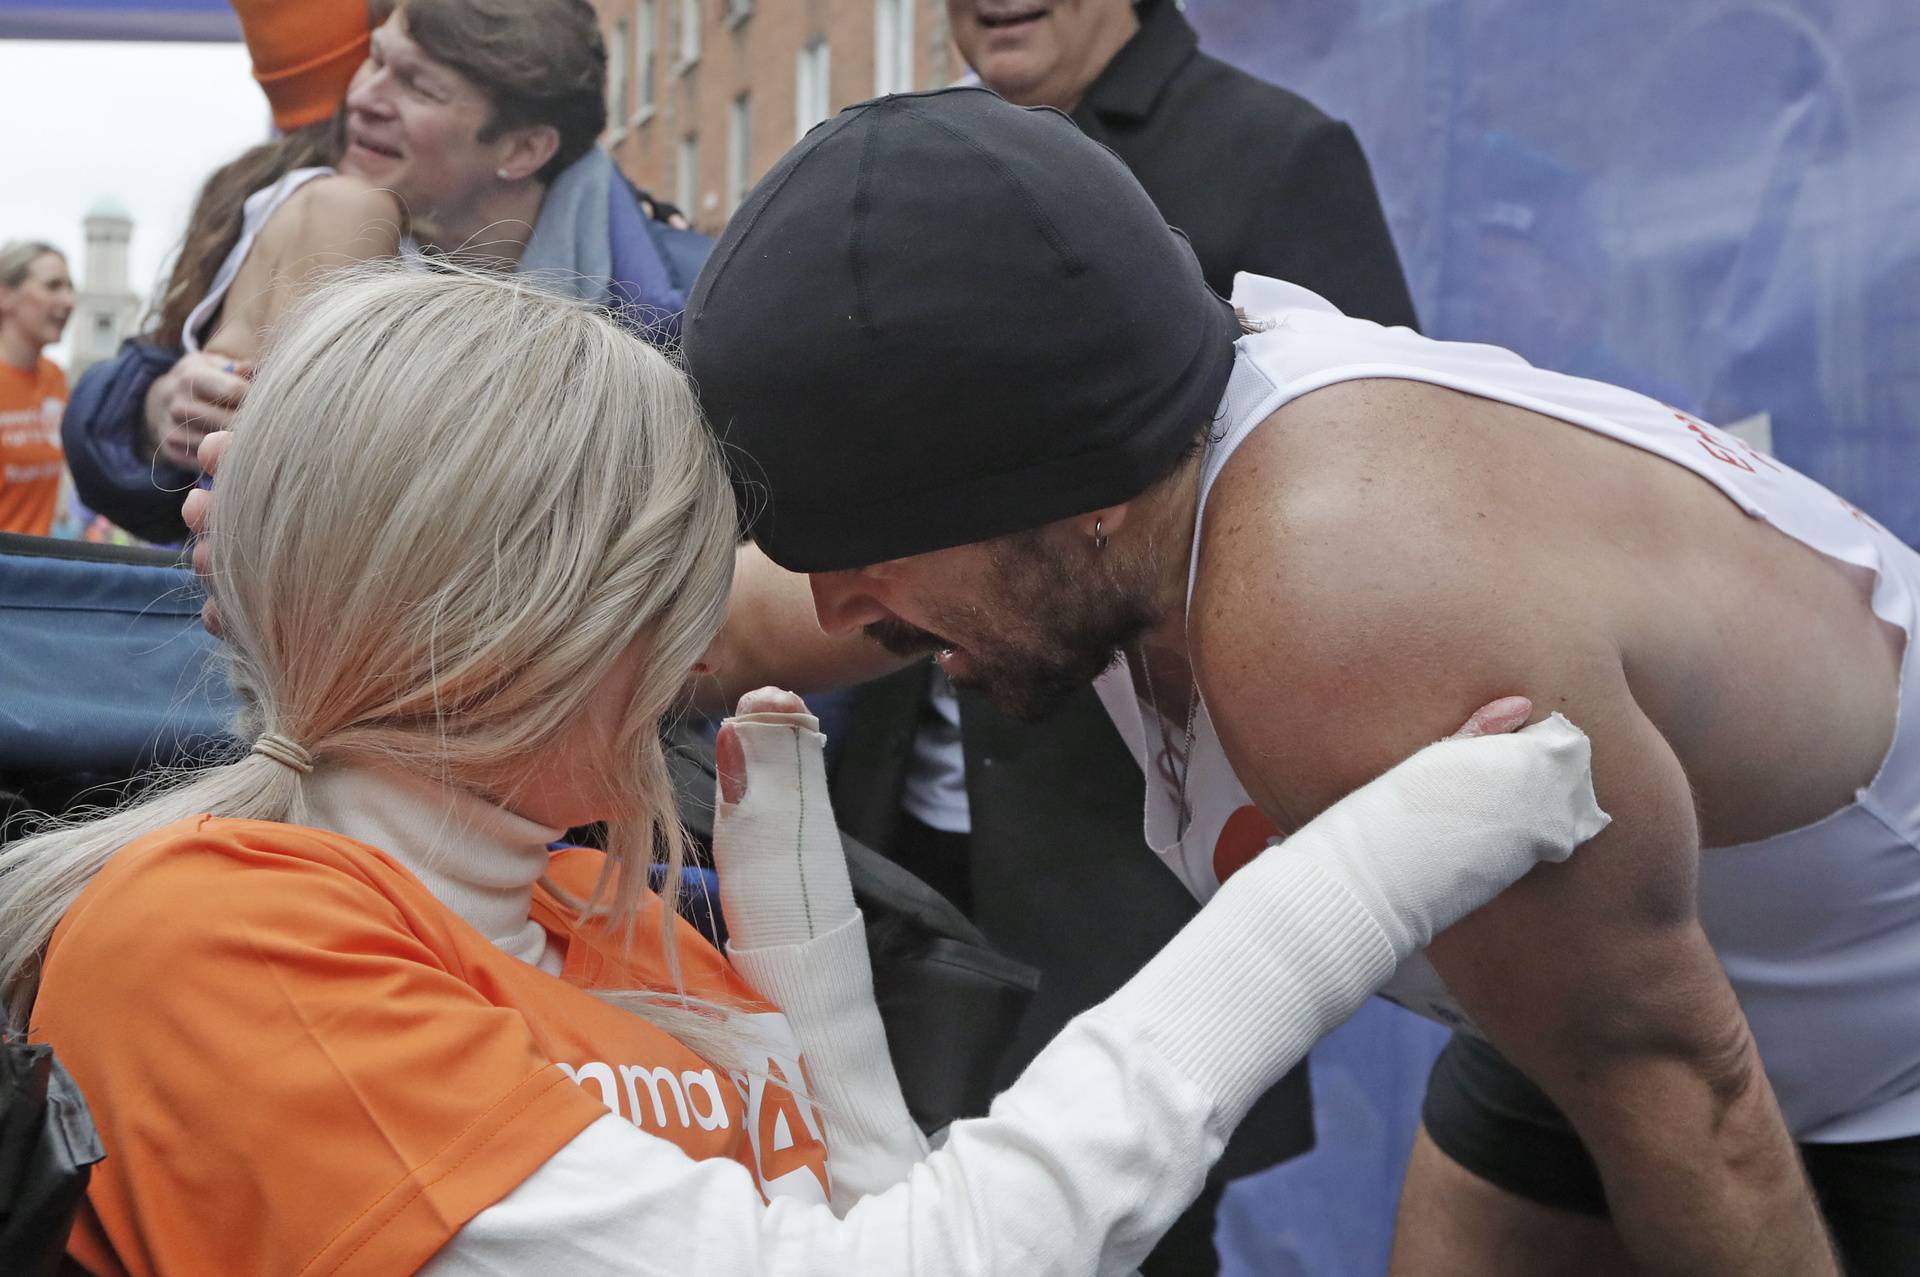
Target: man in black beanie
{"type": "Point", "coordinates": [982, 396]}
{"type": "Point", "coordinates": [957, 791]}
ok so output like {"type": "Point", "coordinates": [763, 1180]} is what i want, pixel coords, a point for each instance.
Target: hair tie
{"type": "Point", "coordinates": [283, 751]}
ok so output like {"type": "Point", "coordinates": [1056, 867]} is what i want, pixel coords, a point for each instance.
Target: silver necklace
{"type": "Point", "coordinates": [1182, 812]}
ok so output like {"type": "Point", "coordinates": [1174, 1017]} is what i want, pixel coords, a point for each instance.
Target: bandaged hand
{"type": "Point", "coordinates": [776, 848]}
{"type": "Point", "coordinates": [1450, 828]}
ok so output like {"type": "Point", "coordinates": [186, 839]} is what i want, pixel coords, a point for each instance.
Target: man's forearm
{"type": "Point", "coordinates": [1701, 1175]}
{"type": "Point", "coordinates": [772, 637]}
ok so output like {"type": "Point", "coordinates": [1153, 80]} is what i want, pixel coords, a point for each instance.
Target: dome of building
{"type": "Point", "coordinates": [107, 207]}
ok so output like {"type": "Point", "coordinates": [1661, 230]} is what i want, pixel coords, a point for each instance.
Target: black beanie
{"type": "Point", "coordinates": [943, 318]}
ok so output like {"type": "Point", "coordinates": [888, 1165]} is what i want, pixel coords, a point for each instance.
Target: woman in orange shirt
{"type": "Point", "coordinates": [337, 1008]}
{"type": "Point", "coordinates": [36, 298]}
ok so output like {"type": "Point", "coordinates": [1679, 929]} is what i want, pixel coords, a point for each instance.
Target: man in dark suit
{"type": "Point", "coordinates": [1036, 830]}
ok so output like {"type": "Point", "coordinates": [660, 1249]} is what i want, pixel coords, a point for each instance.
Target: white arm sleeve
{"type": "Point", "coordinates": [825, 988]}
{"type": "Point", "coordinates": [1082, 1164]}
{"type": "Point", "coordinates": [799, 940]}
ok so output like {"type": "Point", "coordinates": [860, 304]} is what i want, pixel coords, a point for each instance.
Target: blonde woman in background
{"type": "Point", "coordinates": [338, 1009]}
{"type": "Point", "coordinates": [36, 299]}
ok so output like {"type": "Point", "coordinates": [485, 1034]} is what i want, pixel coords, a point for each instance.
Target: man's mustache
{"type": "Point", "coordinates": [902, 639]}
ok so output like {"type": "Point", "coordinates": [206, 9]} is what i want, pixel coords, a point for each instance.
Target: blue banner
{"type": "Point", "coordinates": [1714, 202]}
{"type": "Point", "coordinates": [117, 20]}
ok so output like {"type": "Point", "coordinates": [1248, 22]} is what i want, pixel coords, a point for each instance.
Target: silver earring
{"type": "Point", "coordinates": [501, 173]}
{"type": "Point", "coordinates": [1099, 537]}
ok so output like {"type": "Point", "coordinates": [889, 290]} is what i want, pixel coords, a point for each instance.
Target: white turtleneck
{"type": "Point", "coordinates": [477, 858]}
{"type": "Point", "coordinates": [481, 861]}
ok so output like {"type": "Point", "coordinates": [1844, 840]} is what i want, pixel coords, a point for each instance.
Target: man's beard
{"type": "Point", "coordinates": [1043, 636]}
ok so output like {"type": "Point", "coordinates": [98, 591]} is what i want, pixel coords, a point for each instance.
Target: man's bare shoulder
{"type": "Point", "coordinates": [1363, 568]}
{"type": "Point", "coordinates": [1357, 498]}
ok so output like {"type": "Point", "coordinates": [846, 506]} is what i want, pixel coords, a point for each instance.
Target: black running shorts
{"type": "Point", "coordinates": [1491, 1120]}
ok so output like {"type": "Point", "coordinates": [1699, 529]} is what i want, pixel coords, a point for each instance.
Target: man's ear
{"type": "Point", "coordinates": [523, 152]}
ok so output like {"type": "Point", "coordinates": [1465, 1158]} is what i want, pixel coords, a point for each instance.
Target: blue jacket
{"type": "Point", "coordinates": [640, 267]}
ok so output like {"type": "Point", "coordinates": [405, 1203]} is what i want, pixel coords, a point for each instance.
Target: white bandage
{"type": "Point", "coordinates": [783, 876]}
{"type": "Point", "coordinates": [1451, 827]}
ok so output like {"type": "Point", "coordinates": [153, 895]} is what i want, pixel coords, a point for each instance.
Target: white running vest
{"type": "Point", "coordinates": [1819, 928]}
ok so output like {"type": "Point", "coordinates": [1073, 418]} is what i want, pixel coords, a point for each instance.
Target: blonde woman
{"type": "Point", "coordinates": [337, 1009]}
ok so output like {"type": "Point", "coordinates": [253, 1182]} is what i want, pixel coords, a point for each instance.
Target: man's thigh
{"type": "Point", "coordinates": [1452, 1223]}
{"type": "Point", "coordinates": [1499, 1182]}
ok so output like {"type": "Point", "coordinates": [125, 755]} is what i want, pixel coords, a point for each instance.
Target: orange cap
{"type": "Point", "coordinates": [304, 53]}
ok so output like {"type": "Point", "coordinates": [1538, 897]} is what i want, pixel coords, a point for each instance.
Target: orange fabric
{"type": "Point", "coordinates": [31, 460]}
{"type": "Point", "coordinates": [301, 1062]}
{"type": "Point", "coordinates": [304, 53]}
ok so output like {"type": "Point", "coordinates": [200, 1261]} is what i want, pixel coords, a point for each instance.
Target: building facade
{"type": "Point", "coordinates": [704, 95]}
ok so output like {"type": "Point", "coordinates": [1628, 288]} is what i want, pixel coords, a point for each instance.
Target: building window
{"type": "Point", "coordinates": [739, 150]}
{"type": "Point", "coordinates": [619, 86]}
{"type": "Point", "coordinates": [812, 81]}
{"type": "Point", "coordinates": [646, 51]}
{"type": "Point", "coordinates": [738, 11]}
{"type": "Point", "coordinates": [689, 33]}
{"type": "Point", "coordinates": [686, 186]}
{"type": "Point", "coordinates": [892, 46]}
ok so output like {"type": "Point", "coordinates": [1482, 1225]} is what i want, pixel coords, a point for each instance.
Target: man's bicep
{"type": "Point", "coordinates": [1594, 977]}
{"type": "Point", "coordinates": [1596, 980]}
{"type": "Point", "coordinates": [1563, 953]}
{"type": "Point", "coordinates": [1584, 973]}
{"type": "Point", "coordinates": [1363, 646]}
{"type": "Point", "coordinates": [1599, 960]}
{"type": "Point", "coordinates": [1388, 643]}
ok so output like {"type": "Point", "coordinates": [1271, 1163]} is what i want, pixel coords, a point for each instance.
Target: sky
{"type": "Point", "coordinates": [141, 123]}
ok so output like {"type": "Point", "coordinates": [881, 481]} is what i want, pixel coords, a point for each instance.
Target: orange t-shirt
{"type": "Point", "coordinates": [300, 1061]}
{"type": "Point", "coordinates": [31, 461]}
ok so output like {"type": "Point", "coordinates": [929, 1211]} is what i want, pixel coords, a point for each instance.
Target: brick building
{"type": "Point", "coordinates": [704, 95]}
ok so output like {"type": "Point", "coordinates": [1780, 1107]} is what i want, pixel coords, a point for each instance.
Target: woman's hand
{"type": "Point", "coordinates": [195, 509]}
{"type": "Point", "coordinates": [1508, 714]}
{"type": "Point", "coordinates": [729, 759]}
{"type": "Point", "coordinates": [196, 397]}
{"type": "Point", "coordinates": [783, 875]}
